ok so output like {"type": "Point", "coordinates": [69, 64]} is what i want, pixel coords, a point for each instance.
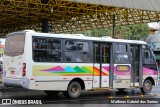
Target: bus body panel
{"type": "Point", "coordinates": [57, 76]}
{"type": "Point", "coordinates": [122, 75]}
{"type": "Point", "coordinates": [13, 63]}
{"type": "Point", "coordinates": [28, 81]}
{"type": "Point", "coordinates": [62, 73]}
{"type": "Point", "coordinates": [104, 76]}
{"type": "Point", "coordinates": [13, 66]}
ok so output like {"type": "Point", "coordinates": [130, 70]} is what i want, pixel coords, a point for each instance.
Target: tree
{"type": "Point", "coordinates": [101, 32]}
{"type": "Point", "coordinates": [134, 32]}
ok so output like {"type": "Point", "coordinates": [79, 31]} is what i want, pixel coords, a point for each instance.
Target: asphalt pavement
{"type": "Point", "coordinates": [98, 98]}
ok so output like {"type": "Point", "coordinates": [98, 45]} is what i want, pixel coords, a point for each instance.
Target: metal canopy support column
{"type": "Point", "coordinates": [113, 29]}
{"type": "Point", "coordinates": [45, 27]}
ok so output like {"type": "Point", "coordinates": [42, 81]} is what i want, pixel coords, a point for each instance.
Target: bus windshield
{"type": "Point", "coordinates": [14, 45]}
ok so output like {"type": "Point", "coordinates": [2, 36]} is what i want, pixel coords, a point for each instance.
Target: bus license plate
{"type": "Point", "coordinates": [12, 72]}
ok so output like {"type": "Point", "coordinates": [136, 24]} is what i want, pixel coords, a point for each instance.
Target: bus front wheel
{"type": "Point", "coordinates": [147, 87]}
{"type": "Point", "coordinates": [73, 91]}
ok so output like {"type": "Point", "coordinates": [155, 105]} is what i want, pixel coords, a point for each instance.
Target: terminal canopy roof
{"type": "Point", "coordinates": [75, 15]}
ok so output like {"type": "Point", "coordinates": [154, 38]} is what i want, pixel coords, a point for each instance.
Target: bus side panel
{"type": "Point", "coordinates": [122, 75]}
{"type": "Point", "coordinates": [105, 75]}
{"type": "Point", "coordinates": [150, 68]}
{"type": "Point", "coordinates": [147, 72]}
{"type": "Point", "coordinates": [58, 85]}
{"type": "Point", "coordinates": [96, 78]}
{"type": "Point", "coordinates": [28, 81]}
{"type": "Point", "coordinates": [50, 73]}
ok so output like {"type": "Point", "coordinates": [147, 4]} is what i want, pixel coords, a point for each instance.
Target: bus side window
{"type": "Point", "coordinates": [46, 49]}
{"type": "Point", "coordinates": [71, 45]}
{"type": "Point", "coordinates": [76, 51]}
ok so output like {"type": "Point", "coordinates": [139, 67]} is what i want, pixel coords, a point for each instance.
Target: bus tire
{"type": "Point", "coordinates": [52, 93]}
{"type": "Point", "coordinates": [121, 89]}
{"type": "Point", "coordinates": [147, 87]}
{"type": "Point", "coordinates": [74, 90]}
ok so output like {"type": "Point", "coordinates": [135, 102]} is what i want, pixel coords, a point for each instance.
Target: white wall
{"type": "Point", "coordinates": [2, 41]}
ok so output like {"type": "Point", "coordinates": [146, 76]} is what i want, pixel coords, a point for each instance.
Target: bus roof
{"type": "Point", "coordinates": [82, 37]}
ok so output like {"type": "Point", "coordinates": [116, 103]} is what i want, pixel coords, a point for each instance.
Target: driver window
{"type": "Point", "coordinates": [148, 57]}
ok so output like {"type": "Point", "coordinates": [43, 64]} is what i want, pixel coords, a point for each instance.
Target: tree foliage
{"type": "Point", "coordinates": [134, 32]}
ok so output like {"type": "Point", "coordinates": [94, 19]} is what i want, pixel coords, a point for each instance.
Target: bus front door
{"type": "Point", "coordinates": [136, 63]}
{"type": "Point", "coordinates": [101, 65]}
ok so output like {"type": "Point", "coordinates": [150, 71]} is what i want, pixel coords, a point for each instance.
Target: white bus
{"type": "Point", "coordinates": [69, 64]}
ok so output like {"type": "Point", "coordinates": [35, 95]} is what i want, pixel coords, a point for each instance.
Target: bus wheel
{"type": "Point", "coordinates": [52, 93]}
{"type": "Point", "coordinates": [73, 91]}
{"type": "Point", "coordinates": [121, 89]}
{"type": "Point", "coordinates": [147, 86]}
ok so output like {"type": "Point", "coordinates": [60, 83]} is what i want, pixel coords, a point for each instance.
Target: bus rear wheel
{"type": "Point", "coordinates": [52, 93]}
{"type": "Point", "coordinates": [147, 87]}
{"type": "Point", "coordinates": [73, 91]}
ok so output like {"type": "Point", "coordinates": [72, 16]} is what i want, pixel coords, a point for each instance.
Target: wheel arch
{"type": "Point", "coordinates": [80, 81]}
{"type": "Point", "coordinates": [151, 79]}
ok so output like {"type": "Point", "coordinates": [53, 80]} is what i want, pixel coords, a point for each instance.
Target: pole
{"type": "Point", "coordinates": [113, 29]}
{"type": "Point", "coordinates": [45, 27]}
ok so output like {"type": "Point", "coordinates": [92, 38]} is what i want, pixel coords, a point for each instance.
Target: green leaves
{"type": "Point", "coordinates": [134, 32]}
